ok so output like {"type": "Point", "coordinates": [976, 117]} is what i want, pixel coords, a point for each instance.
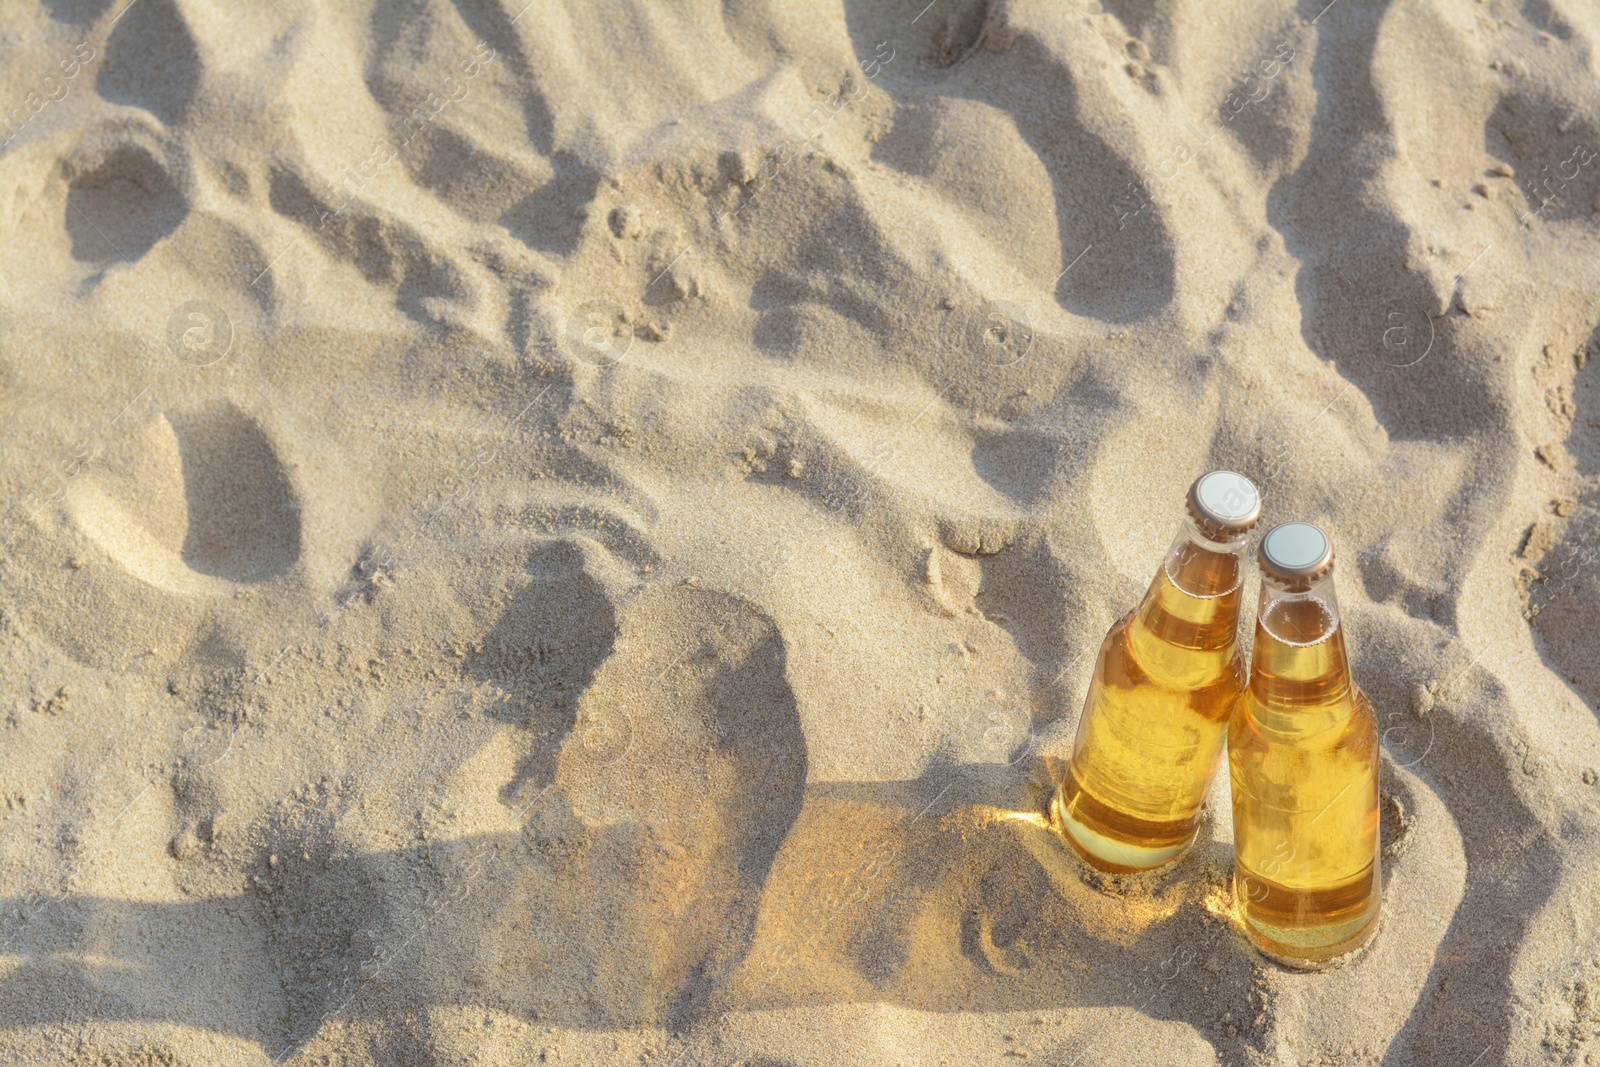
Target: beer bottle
{"type": "Point", "coordinates": [1303, 755]}
{"type": "Point", "coordinates": [1165, 682]}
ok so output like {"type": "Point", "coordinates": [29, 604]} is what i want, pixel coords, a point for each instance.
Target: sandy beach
{"type": "Point", "coordinates": [577, 534]}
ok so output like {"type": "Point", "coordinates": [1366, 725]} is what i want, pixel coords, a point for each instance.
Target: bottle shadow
{"type": "Point", "coordinates": [945, 893]}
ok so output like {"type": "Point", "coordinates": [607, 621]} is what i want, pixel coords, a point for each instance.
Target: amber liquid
{"type": "Point", "coordinates": [1303, 751]}
{"type": "Point", "coordinates": [1154, 721]}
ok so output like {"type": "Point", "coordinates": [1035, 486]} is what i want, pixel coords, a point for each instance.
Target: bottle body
{"type": "Point", "coordinates": [1303, 760]}
{"type": "Point", "coordinates": [1156, 715]}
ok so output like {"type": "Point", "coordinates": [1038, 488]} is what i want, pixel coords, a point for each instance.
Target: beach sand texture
{"type": "Point", "coordinates": [577, 534]}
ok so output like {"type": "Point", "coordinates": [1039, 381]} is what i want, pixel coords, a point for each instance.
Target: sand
{"type": "Point", "coordinates": [578, 534]}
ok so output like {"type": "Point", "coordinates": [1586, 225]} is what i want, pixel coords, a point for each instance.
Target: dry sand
{"type": "Point", "coordinates": [575, 535]}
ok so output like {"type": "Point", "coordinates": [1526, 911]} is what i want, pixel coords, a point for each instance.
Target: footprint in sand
{"type": "Point", "coordinates": [151, 62]}
{"type": "Point", "coordinates": [177, 510]}
{"type": "Point", "coordinates": [198, 494]}
{"type": "Point", "coordinates": [120, 202]}
{"type": "Point", "coordinates": [633, 888]}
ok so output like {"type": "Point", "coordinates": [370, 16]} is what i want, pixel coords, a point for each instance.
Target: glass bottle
{"type": "Point", "coordinates": [1166, 679]}
{"type": "Point", "coordinates": [1303, 755]}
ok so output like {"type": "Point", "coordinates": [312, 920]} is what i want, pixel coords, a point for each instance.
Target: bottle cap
{"type": "Point", "coordinates": [1296, 552]}
{"type": "Point", "coordinates": [1224, 504]}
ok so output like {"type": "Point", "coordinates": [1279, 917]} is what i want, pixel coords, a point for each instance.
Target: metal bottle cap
{"type": "Point", "coordinates": [1223, 503]}
{"type": "Point", "coordinates": [1296, 552]}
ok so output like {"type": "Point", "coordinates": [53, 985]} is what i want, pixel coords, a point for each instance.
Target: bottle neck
{"type": "Point", "coordinates": [1300, 671]}
{"type": "Point", "coordinates": [1203, 566]}
{"type": "Point", "coordinates": [1187, 628]}
{"type": "Point", "coordinates": [1300, 614]}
